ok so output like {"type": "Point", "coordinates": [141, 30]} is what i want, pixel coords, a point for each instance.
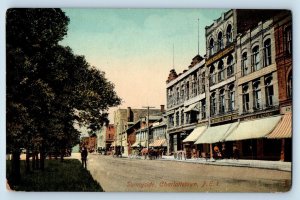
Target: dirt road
{"type": "Point", "coordinates": [123, 174]}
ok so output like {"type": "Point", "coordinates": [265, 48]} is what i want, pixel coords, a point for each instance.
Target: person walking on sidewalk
{"type": "Point", "coordinates": [84, 154]}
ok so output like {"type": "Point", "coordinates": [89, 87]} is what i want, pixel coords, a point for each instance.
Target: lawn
{"type": "Point", "coordinates": [57, 176]}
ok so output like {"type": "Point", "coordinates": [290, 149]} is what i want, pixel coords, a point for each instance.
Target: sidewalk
{"type": "Point", "coordinates": [264, 164]}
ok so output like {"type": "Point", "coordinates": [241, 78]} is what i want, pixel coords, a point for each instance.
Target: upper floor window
{"type": "Point", "coordinates": [269, 91]}
{"type": "Point", "coordinates": [222, 101]}
{"type": "Point", "coordinates": [203, 109]}
{"type": "Point", "coordinates": [220, 41]}
{"type": "Point", "coordinates": [229, 37]}
{"type": "Point", "coordinates": [230, 66]}
{"type": "Point", "coordinates": [194, 86]}
{"type": "Point", "coordinates": [288, 42]}
{"type": "Point", "coordinates": [245, 68]}
{"type": "Point", "coordinates": [246, 98]}
{"type": "Point", "coordinates": [187, 90]}
{"type": "Point", "coordinates": [177, 118]}
{"type": "Point", "coordinates": [182, 117]}
{"type": "Point", "coordinates": [290, 85]}
{"type": "Point", "coordinates": [257, 95]}
{"type": "Point", "coordinates": [212, 78]}
{"type": "Point", "coordinates": [178, 95]}
{"type": "Point", "coordinates": [211, 46]}
{"type": "Point", "coordinates": [213, 104]}
{"type": "Point", "coordinates": [203, 82]}
{"type": "Point", "coordinates": [231, 98]}
{"type": "Point", "coordinates": [267, 52]}
{"type": "Point", "coordinates": [255, 58]}
{"type": "Point", "coordinates": [221, 74]}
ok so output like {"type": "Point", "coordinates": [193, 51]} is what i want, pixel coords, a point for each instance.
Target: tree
{"type": "Point", "coordinates": [48, 87]}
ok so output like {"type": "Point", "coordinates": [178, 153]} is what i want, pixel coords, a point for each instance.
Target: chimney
{"type": "Point", "coordinates": [162, 108]}
{"type": "Point", "coordinates": [128, 114]}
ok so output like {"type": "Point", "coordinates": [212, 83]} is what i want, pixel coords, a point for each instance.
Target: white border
{"type": "Point", "coordinates": [255, 4]}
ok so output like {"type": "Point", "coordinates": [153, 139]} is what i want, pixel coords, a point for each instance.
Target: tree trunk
{"type": "Point", "coordinates": [37, 161]}
{"type": "Point", "coordinates": [16, 173]}
{"type": "Point", "coordinates": [42, 158]}
{"type": "Point", "coordinates": [33, 160]}
{"type": "Point", "coordinates": [27, 161]}
{"type": "Point", "coordinates": [62, 155]}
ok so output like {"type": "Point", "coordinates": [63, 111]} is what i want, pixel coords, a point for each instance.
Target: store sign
{"type": "Point", "coordinates": [219, 55]}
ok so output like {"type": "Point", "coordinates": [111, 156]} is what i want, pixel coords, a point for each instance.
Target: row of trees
{"type": "Point", "coordinates": [48, 87]}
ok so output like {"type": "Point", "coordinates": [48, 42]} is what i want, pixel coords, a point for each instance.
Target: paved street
{"type": "Point", "coordinates": [123, 174]}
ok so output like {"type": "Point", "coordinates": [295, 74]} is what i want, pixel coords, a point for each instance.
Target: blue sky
{"type": "Point", "coordinates": [134, 47]}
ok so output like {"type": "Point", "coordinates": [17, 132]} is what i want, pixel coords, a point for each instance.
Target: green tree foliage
{"type": "Point", "coordinates": [48, 87]}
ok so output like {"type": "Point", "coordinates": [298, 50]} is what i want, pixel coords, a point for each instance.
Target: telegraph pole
{"type": "Point", "coordinates": [148, 130]}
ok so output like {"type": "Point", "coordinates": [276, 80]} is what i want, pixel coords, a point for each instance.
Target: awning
{"type": "Point", "coordinates": [216, 133]}
{"type": "Point", "coordinates": [194, 135]}
{"type": "Point", "coordinates": [158, 143]}
{"type": "Point", "coordinates": [283, 129]}
{"type": "Point", "coordinates": [254, 129]}
{"type": "Point", "coordinates": [191, 107]}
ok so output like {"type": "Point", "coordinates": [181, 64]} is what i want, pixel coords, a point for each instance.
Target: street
{"type": "Point", "coordinates": [123, 174]}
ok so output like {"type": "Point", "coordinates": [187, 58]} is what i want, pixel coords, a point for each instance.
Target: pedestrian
{"type": "Point", "coordinates": [84, 154]}
{"type": "Point", "coordinates": [236, 152]}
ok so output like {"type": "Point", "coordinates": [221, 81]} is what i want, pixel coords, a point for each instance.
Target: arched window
{"type": "Point", "coordinates": [222, 101]}
{"type": "Point", "coordinates": [245, 68]}
{"type": "Point", "coordinates": [229, 37]}
{"type": "Point", "coordinates": [230, 66]}
{"type": "Point", "coordinates": [246, 98]}
{"type": "Point", "coordinates": [255, 58]}
{"type": "Point", "coordinates": [290, 85]}
{"type": "Point", "coordinates": [220, 41]}
{"type": "Point", "coordinates": [269, 91]}
{"type": "Point", "coordinates": [257, 95]}
{"type": "Point", "coordinates": [267, 52]}
{"type": "Point", "coordinates": [231, 98]}
{"type": "Point", "coordinates": [213, 104]}
{"type": "Point", "coordinates": [212, 77]}
{"type": "Point", "coordinates": [221, 74]}
{"type": "Point", "coordinates": [211, 46]}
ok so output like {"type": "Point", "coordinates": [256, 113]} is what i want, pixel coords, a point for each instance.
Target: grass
{"type": "Point", "coordinates": [57, 176]}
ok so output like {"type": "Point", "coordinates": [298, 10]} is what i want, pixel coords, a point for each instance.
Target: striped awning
{"type": "Point", "coordinates": [253, 129]}
{"type": "Point", "coordinates": [283, 129]}
{"type": "Point", "coordinates": [158, 143]}
{"type": "Point", "coordinates": [195, 134]}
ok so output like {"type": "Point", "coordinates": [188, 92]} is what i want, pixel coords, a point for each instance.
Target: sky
{"type": "Point", "coordinates": [134, 47]}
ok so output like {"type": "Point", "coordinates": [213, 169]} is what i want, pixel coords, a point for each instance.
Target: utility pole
{"type": "Point", "coordinates": [148, 130]}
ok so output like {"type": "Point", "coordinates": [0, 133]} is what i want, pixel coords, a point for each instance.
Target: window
{"type": "Point", "coordinates": [289, 85]}
{"type": "Point", "coordinates": [211, 46]}
{"type": "Point", "coordinates": [288, 36]}
{"type": "Point", "coordinates": [222, 101]}
{"type": "Point", "coordinates": [231, 98]}
{"type": "Point", "coordinates": [246, 98]}
{"type": "Point", "coordinates": [257, 95]}
{"type": "Point", "coordinates": [229, 37]}
{"type": "Point", "coordinates": [212, 78]}
{"type": "Point", "coordinates": [221, 74]}
{"type": "Point", "coordinates": [171, 120]}
{"type": "Point", "coordinates": [178, 95]}
{"type": "Point", "coordinates": [203, 82]}
{"type": "Point", "coordinates": [220, 41]}
{"type": "Point", "coordinates": [267, 52]}
{"type": "Point", "coordinates": [213, 104]}
{"type": "Point", "coordinates": [194, 86]}
{"type": "Point", "coordinates": [269, 91]}
{"type": "Point", "coordinates": [230, 69]}
{"type": "Point", "coordinates": [203, 109]}
{"type": "Point", "coordinates": [182, 117]}
{"type": "Point", "coordinates": [182, 92]}
{"type": "Point", "coordinates": [187, 90]}
{"type": "Point", "coordinates": [245, 68]}
{"type": "Point", "coordinates": [255, 58]}
{"type": "Point", "coordinates": [187, 118]}
{"type": "Point", "coordinates": [177, 118]}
